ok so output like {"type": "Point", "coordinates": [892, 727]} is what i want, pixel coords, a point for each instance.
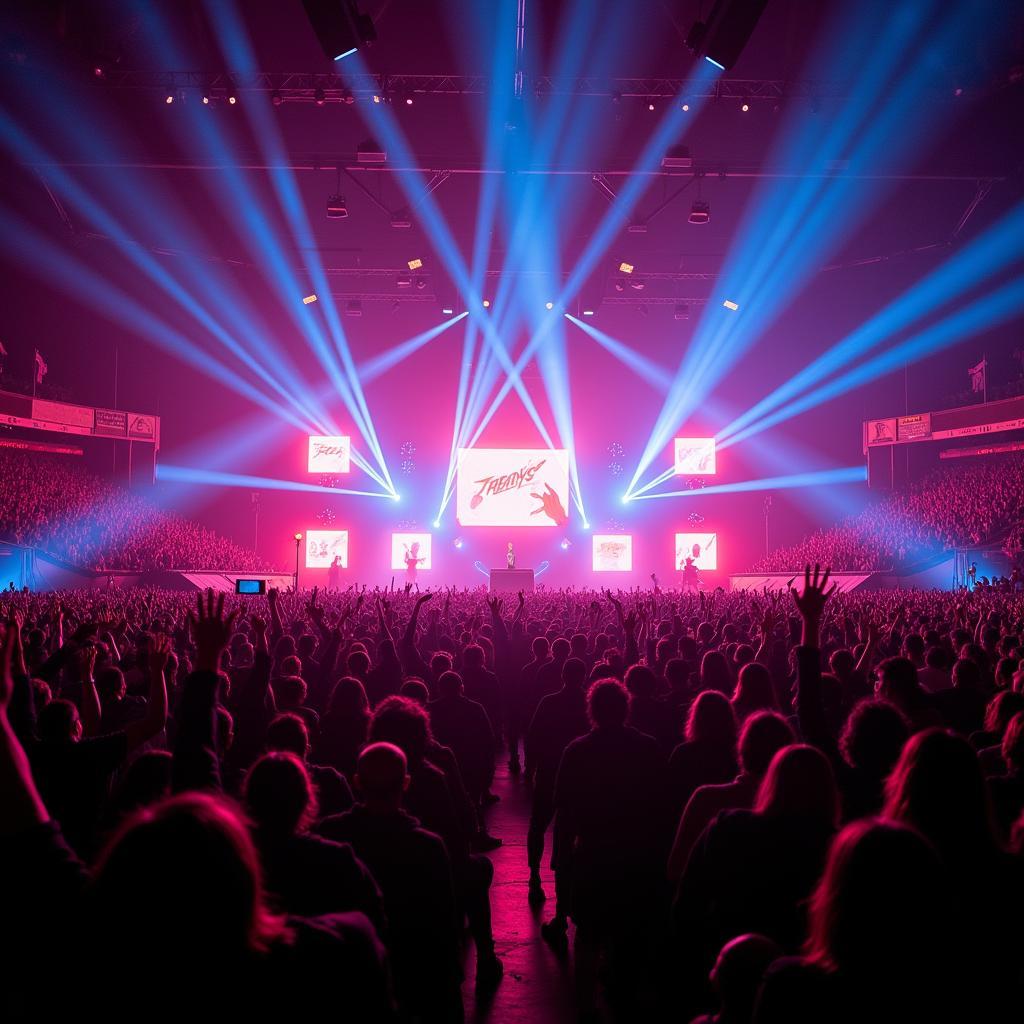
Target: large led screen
{"type": "Point", "coordinates": [702, 548]}
{"type": "Point", "coordinates": [613, 553]}
{"type": "Point", "coordinates": [410, 550]}
{"type": "Point", "coordinates": [695, 456]}
{"type": "Point", "coordinates": [322, 546]}
{"type": "Point", "coordinates": [513, 487]}
{"type": "Point", "coordinates": [328, 454]}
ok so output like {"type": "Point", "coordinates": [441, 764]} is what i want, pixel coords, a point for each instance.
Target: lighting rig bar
{"type": "Point", "coordinates": [302, 86]}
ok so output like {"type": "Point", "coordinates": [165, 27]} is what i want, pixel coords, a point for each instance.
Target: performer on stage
{"type": "Point", "coordinates": [510, 557]}
{"type": "Point", "coordinates": [334, 574]}
{"type": "Point", "coordinates": [691, 577]}
{"type": "Point", "coordinates": [412, 560]}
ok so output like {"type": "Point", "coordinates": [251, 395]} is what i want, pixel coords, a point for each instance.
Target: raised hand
{"type": "Point", "coordinates": [811, 603]}
{"type": "Point", "coordinates": [85, 658]}
{"type": "Point", "coordinates": [160, 652]}
{"type": "Point", "coordinates": [211, 630]}
{"type": "Point", "coordinates": [424, 597]}
{"type": "Point", "coordinates": [551, 506]}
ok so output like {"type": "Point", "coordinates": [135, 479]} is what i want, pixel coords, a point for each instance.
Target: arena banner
{"type": "Point", "coordinates": [141, 426]}
{"type": "Point", "coordinates": [61, 412]}
{"type": "Point", "coordinates": [111, 423]}
{"type": "Point", "coordinates": [914, 428]}
{"type": "Point", "coordinates": [978, 428]}
{"type": "Point", "coordinates": [513, 487]}
{"type": "Point", "coordinates": [881, 431]}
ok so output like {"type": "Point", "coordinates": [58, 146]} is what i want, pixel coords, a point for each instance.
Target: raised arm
{"type": "Point", "coordinates": [196, 762]}
{"type": "Point", "coordinates": [90, 709]}
{"type": "Point", "coordinates": [155, 719]}
{"type": "Point", "coordinates": [809, 704]}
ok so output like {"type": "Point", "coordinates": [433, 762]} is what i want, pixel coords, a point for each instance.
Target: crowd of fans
{"type": "Point", "coordinates": [954, 507]}
{"type": "Point", "coordinates": [51, 503]}
{"type": "Point", "coordinates": [763, 807]}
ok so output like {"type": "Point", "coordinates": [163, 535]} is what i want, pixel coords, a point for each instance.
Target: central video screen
{"type": "Point", "coordinates": [513, 487]}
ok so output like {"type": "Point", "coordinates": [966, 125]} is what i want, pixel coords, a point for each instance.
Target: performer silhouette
{"type": "Point", "coordinates": [412, 560]}
{"type": "Point", "coordinates": [510, 556]}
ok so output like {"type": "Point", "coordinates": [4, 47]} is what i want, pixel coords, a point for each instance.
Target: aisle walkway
{"type": "Point", "coordinates": [537, 988]}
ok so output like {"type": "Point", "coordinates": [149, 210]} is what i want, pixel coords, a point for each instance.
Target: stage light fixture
{"type": "Point", "coordinates": [586, 526]}
{"type": "Point", "coordinates": [677, 156]}
{"type": "Point", "coordinates": [457, 543]}
{"type": "Point", "coordinates": [339, 26]}
{"type": "Point", "coordinates": [437, 524]}
{"type": "Point", "coordinates": [729, 304]}
{"type": "Point", "coordinates": [206, 100]}
{"type": "Point", "coordinates": [549, 305]}
{"type": "Point", "coordinates": [682, 311]}
{"type": "Point", "coordinates": [353, 308]}
{"type": "Point", "coordinates": [369, 152]}
{"type": "Point", "coordinates": [308, 299]}
{"type": "Point", "coordinates": [408, 99]}
{"type": "Point", "coordinates": [565, 544]}
{"type": "Point", "coordinates": [98, 71]}
{"type": "Point", "coordinates": [276, 98]}
{"type": "Point", "coordinates": [337, 209]}
{"type": "Point", "coordinates": [620, 284]}
{"type": "Point", "coordinates": [414, 264]}
{"type": "Point", "coordinates": [401, 219]}
{"type": "Point", "coordinates": [298, 536]}
{"type": "Point", "coordinates": [232, 98]}
{"type": "Point", "coordinates": [421, 283]}
{"type": "Point", "coordinates": [650, 106]}
{"type": "Point", "coordinates": [626, 268]}
{"type": "Point", "coordinates": [447, 310]}
{"type": "Point", "coordinates": [347, 97]}
{"type": "Point", "coordinates": [404, 280]}
{"type": "Point", "coordinates": [588, 312]}
{"type": "Point", "coordinates": [686, 107]}
{"type": "Point", "coordinates": [169, 98]}
{"type": "Point", "coordinates": [637, 286]}
{"type": "Point", "coordinates": [487, 303]}
{"type": "Point", "coordinates": [722, 37]}
{"type": "Point", "coordinates": [319, 98]}
{"type": "Point", "coordinates": [700, 212]}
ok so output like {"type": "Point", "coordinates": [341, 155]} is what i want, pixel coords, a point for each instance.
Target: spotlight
{"type": "Point", "coordinates": [353, 308]}
{"type": "Point", "coordinates": [487, 303]}
{"type": "Point", "coordinates": [308, 299]}
{"type": "Point", "coordinates": [414, 264]}
{"type": "Point", "coordinates": [565, 544]}
{"type": "Point", "coordinates": [408, 99]}
{"type": "Point", "coordinates": [336, 207]}
{"type": "Point", "coordinates": [650, 106]}
{"type": "Point", "coordinates": [700, 212]}
{"type": "Point", "coordinates": [318, 97]}
{"type": "Point", "coordinates": [298, 537]}
{"type": "Point", "coordinates": [626, 268]}
{"type": "Point", "coordinates": [448, 310]}
{"type": "Point", "coordinates": [458, 542]}
{"type": "Point", "coordinates": [396, 497]}
{"type": "Point", "coordinates": [745, 107]}
{"type": "Point", "coordinates": [276, 98]}
{"type": "Point", "coordinates": [686, 107]}
{"type": "Point", "coordinates": [98, 71]}
{"type": "Point", "coordinates": [682, 311]}
{"type": "Point", "coordinates": [586, 526]}
{"type": "Point", "coordinates": [169, 98]}
{"type": "Point", "coordinates": [206, 100]}
{"type": "Point", "coordinates": [339, 27]}
{"type": "Point", "coordinates": [729, 304]}
{"type": "Point", "coordinates": [723, 35]}
{"type": "Point", "coordinates": [232, 99]}
{"type": "Point", "coordinates": [437, 524]}
{"type": "Point", "coordinates": [588, 312]}
{"type": "Point", "coordinates": [549, 305]}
